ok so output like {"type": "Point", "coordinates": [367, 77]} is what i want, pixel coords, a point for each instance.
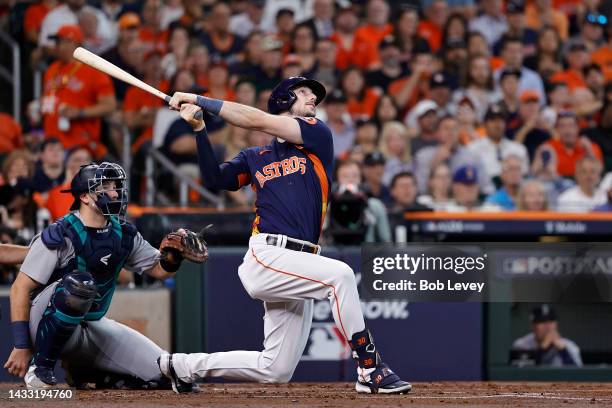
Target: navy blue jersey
{"type": "Point", "coordinates": [292, 181]}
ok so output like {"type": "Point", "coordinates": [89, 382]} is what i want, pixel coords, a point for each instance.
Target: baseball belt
{"type": "Point", "coordinates": [293, 244]}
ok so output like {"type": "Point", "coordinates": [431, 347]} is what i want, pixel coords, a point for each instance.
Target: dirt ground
{"type": "Point", "coordinates": [443, 394]}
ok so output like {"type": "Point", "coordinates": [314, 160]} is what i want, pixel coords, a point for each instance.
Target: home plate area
{"type": "Point", "coordinates": [446, 394]}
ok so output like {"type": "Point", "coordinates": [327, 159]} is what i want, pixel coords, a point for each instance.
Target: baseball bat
{"type": "Point", "coordinates": [99, 63]}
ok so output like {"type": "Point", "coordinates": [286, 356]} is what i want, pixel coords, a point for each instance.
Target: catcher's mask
{"type": "Point", "coordinates": [98, 180]}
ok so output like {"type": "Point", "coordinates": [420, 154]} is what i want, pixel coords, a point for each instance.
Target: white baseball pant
{"type": "Point", "coordinates": [287, 282]}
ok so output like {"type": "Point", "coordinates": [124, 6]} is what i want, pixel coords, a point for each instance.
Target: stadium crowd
{"type": "Point", "coordinates": [439, 105]}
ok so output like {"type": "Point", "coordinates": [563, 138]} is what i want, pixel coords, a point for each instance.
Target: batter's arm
{"type": "Point", "coordinates": [12, 254]}
{"type": "Point", "coordinates": [243, 116]}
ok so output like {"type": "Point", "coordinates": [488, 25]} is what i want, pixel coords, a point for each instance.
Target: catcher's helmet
{"type": "Point", "coordinates": [91, 179]}
{"type": "Point", "coordinates": [283, 97]}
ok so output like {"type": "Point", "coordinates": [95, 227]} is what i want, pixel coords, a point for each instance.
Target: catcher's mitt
{"type": "Point", "coordinates": [184, 244]}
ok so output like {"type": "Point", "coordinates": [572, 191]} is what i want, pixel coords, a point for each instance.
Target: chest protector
{"type": "Point", "coordinates": [100, 251]}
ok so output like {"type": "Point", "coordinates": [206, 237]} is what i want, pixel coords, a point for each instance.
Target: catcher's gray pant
{"type": "Point", "coordinates": [287, 282]}
{"type": "Point", "coordinates": [103, 344]}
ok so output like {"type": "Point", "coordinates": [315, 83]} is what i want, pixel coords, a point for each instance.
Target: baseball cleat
{"type": "Point", "coordinates": [39, 378]}
{"type": "Point", "coordinates": [167, 369]}
{"type": "Point", "coordinates": [383, 381]}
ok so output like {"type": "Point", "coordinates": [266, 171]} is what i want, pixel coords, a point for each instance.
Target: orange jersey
{"type": "Point", "coordinates": [58, 203]}
{"type": "Point", "coordinates": [567, 159]}
{"type": "Point", "coordinates": [372, 36]}
{"type": "Point", "coordinates": [572, 78]}
{"type": "Point", "coordinates": [152, 40]}
{"type": "Point", "coordinates": [361, 54]}
{"type": "Point", "coordinates": [10, 134]}
{"type": "Point", "coordinates": [559, 21]}
{"type": "Point", "coordinates": [79, 86]}
{"type": "Point", "coordinates": [135, 100]}
{"type": "Point", "coordinates": [34, 16]}
{"type": "Point", "coordinates": [363, 107]}
{"type": "Point", "coordinates": [603, 57]}
{"type": "Point", "coordinates": [432, 33]}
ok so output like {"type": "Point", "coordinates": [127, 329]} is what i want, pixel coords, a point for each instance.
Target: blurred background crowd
{"type": "Point", "coordinates": [434, 105]}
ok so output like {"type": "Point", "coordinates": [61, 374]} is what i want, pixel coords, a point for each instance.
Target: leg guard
{"type": "Point", "coordinates": [70, 302]}
{"type": "Point", "coordinates": [364, 350]}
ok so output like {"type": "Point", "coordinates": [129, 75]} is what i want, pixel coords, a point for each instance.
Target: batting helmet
{"type": "Point", "coordinates": [90, 179]}
{"type": "Point", "coordinates": [283, 97]}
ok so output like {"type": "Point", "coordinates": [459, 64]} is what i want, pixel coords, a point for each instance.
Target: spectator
{"type": "Point", "coordinates": [243, 24]}
{"type": "Point", "coordinates": [218, 38]}
{"type": "Point", "coordinates": [140, 107]}
{"type": "Point", "coordinates": [509, 100]}
{"type": "Point", "coordinates": [178, 48]}
{"type": "Point", "coordinates": [405, 30]}
{"type": "Point", "coordinates": [592, 30]}
{"type": "Point", "coordinates": [34, 17]}
{"type": "Point", "coordinates": [440, 91]}
{"type": "Point", "coordinates": [436, 14]}
{"type": "Point", "coordinates": [407, 91]}
{"type": "Point", "coordinates": [303, 44]}
{"type": "Point", "coordinates": [18, 164]}
{"type": "Point", "coordinates": [455, 60]}
{"type": "Point", "coordinates": [478, 85]}
{"type": "Point", "coordinates": [49, 169]}
{"type": "Point", "coordinates": [544, 344]}
{"type": "Point", "coordinates": [17, 208]}
{"type": "Point", "coordinates": [544, 170]}
{"type": "Point", "coordinates": [595, 81]}
{"type": "Point", "coordinates": [530, 129]}
{"type": "Point", "coordinates": [268, 73]}
{"type": "Point", "coordinates": [584, 196]}
{"type": "Point", "coordinates": [395, 146]}
{"type": "Point", "coordinates": [448, 150]}
{"type": "Point", "coordinates": [325, 69]}
{"type": "Point", "coordinates": [512, 55]}
{"type": "Point", "coordinates": [366, 135]}
{"type": "Point", "coordinates": [340, 122]}
{"type": "Point", "coordinates": [376, 26]}
{"type": "Point", "coordinates": [10, 134]}
{"type": "Point", "coordinates": [350, 50]}
{"type": "Point", "coordinates": [455, 30]}
{"type": "Point", "coordinates": [548, 50]}
{"type": "Point", "coordinates": [492, 22]}
{"type": "Point", "coordinates": [423, 120]}
{"type": "Point", "coordinates": [438, 194]}
{"type": "Point", "coordinates": [151, 36]}
{"type": "Point", "coordinates": [603, 56]}
{"type": "Point", "coordinates": [323, 17]}
{"type": "Point", "coordinates": [570, 147]}
{"type": "Point", "coordinates": [404, 193]}
{"type": "Point", "coordinates": [247, 65]}
{"type": "Point", "coordinates": [386, 110]}
{"type": "Point", "coordinates": [540, 13]}
{"type": "Point", "coordinates": [391, 66]}
{"type": "Point", "coordinates": [515, 11]}
{"type": "Point", "coordinates": [218, 81]}
{"type": "Point", "coordinates": [373, 171]}
{"type": "Point", "coordinates": [353, 213]}
{"type": "Point", "coordinates": [88, 21]}
{"type": "Point", "coordinates": [172, 11]}
{"type": "Point", "coordinates": [532, 196]}
{"type": "Point", "coordinates": [577, 59]}
{"type": "Point", "coordinates": [67, 14]}
{"type": "Point", "coordinates": [122, 54]}
{"type": "Point", "coordinates": [75, 96]}
{"type": "Point", "coordinates": [285, 25]}
{"type": "Point", "coordinates": [58, 203]}
{"type": "Point", "coordinates": [507, 196]}
{"type": "Point", "coordinates": [465, 190]}
{"type": "Point", "coordinates": [469, 129]}
{"type": "Point", "coordinates": [495, 148]}
{"type": "Point", "coordinates": [361, 99]}
{"type": "Point", "coordinates": [600, 133]}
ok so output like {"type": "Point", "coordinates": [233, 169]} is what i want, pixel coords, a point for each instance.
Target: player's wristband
{"type": "Point", "coordinates": [210, 105]}
{"type": "Point", "coordinates": [21, 335]}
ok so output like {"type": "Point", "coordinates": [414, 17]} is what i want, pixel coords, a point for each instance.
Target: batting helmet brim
{"type": "Point", "coordinates": [316, 87]}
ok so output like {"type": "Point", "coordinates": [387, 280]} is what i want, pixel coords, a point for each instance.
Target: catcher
{"type": "Point", "coordinates": [67, 280]}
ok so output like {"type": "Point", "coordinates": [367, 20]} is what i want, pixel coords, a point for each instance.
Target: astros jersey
{"type": "Point", "coordinates": [292, 182]}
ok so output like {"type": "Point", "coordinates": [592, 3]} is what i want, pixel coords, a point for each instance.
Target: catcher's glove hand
{"type": "Point", "coordinates": [184, 244]}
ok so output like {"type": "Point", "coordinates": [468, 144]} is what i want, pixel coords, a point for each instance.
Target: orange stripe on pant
{"type": "Point", "coordinates": [308, 279]}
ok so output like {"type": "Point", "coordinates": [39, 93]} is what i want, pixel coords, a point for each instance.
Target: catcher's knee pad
{"type": "Point", "coordinates": [75, 293]}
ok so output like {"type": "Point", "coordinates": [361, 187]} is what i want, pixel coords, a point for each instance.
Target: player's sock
{"type": "Point", "coordinates": [51, 337]}
{"type": "Point", "coordinates": [364, 351]}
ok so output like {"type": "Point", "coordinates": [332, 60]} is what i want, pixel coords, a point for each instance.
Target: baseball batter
{"type": "Point", "coordinates": [282, 267]}
{"type": "Point", "coordinates": [70, 273]}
